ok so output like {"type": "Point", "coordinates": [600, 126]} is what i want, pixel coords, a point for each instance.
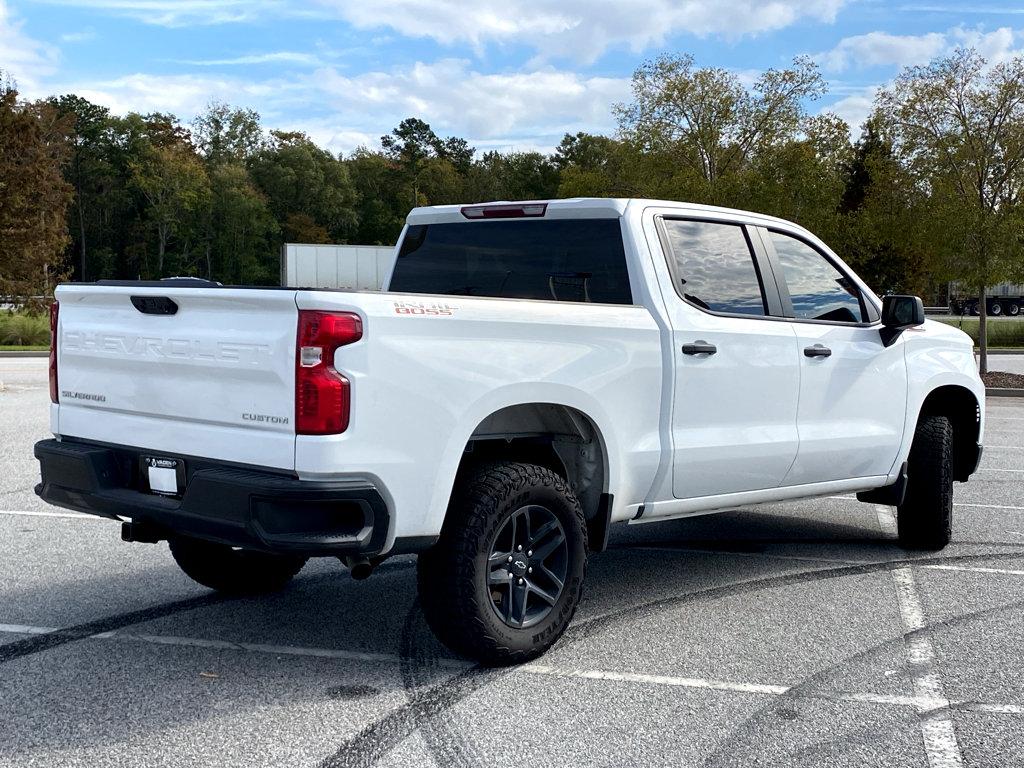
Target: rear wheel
{"type": "Point", "coordinates": [925, 519]}
{"type": "Point", "coordinates": [504, 580]}
{"type": "Point", "coordinates": [996, 308]}
{"type": "Point", "coordinates": [1013, 308]}
{"type": "Point", "coordinates": [234, 571]}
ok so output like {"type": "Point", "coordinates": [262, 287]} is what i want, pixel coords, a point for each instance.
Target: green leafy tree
{"type": "Point", "coordinates": [708, 122]}
{"type": "Point", "coordinates": [224, 134]}
{"type": "Point", "coordinates": [173, 181]}
{"type": "Point", "coordinates": [239, 230]}
{"type": "Point", "coordinates": [89, 172]}
{"type": "Point", "coordinates": [957, 125]}
{"type": "Point", "coordinates": [307, 188]}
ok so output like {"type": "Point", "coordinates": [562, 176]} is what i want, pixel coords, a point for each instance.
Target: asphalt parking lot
{"type": "Point", "coordinates": [794, 634]}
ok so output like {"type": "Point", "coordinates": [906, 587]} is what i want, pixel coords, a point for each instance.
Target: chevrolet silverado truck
{"type": "Point", "coordinates": [534, 373]}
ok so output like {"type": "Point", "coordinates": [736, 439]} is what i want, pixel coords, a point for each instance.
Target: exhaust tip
{"type": "Point", "coordinates": [361, 569]}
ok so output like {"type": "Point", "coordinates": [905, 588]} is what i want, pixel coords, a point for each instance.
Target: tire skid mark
{"type": "Point", "coordinates": [377, 739]}
{"type": "Point", "coordinates": [418, 667]}
{"type": "Point", "coordinates": [45, 642]}
{"type": "Point", "coordinates": [764, 718]}
{"type": "Point", "coordinates": [65, 635]}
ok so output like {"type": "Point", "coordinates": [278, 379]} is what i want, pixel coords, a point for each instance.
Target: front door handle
{"type": "Point", "coordinates": [817, 351]}
{"type": "Point", "coordinates": [700, 347]}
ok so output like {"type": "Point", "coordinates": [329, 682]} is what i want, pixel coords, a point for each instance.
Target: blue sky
{"type": "Point", "coordinates": [505, 74]}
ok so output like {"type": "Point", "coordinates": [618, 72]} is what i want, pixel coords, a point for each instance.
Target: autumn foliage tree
{"type": "Point", "coordinates": [33, 195]}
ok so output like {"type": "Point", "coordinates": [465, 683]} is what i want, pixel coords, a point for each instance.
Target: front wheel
{"type": "Point", "coordinates": [925, 519]}
{"type": "Point", "coordinates": [504, 580]}
{"type": "Point", "coordinates": [234, 571]}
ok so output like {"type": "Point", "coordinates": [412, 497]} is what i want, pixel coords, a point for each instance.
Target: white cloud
{"type": "Point", "coordinates": [179, 13]}
{"type": "Point", "coordinates": [877, 49]}
{"type": "Point", "coordinates": [855, 107]}
{"type": "Point", "coordinates": [454, 96]}
{"type": "Point", "coordinates": [523, 110]}
{"type": "Point", "coordinates": [275, 57]}
{"type": "Point", "coordinates": [25, 59]}
{"type": "Point", "coordinates": [996, 46]}
{"type": "Point", "coordinates": [881, 49]}
{"type": "Point", "coordinates": [183, 95]}
{"type": "Point", "coordinates": [579, 29]}
{"type": "Point", "coordinates": [81, 36]}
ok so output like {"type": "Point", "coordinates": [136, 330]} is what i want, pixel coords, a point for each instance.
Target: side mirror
{"type": "Point", "coordinates": [898, 314]}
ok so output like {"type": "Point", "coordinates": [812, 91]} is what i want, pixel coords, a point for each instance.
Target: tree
{"type": "Point", "coordinates": [174, 183]}
{"type": "Point", "coordinates": [227, 134]}
{"type": "Point", "coordinates": [88, 170]}
{"type": "Point", "coordinates": [418, 152]}
{"type": "Point", "coordinates": [33, 195]}
{"type": "Point", "coordinates": [239, 229]}
{"type": "Point", "coordinates": [708, 121]}
{"type": "Point", "coordinates": [307, 188]}
{"type": "Point", "coordinates": [957, 125]}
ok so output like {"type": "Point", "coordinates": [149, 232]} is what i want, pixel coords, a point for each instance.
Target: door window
{"type": "Point", "coordinates": [714, 268]}
{"type": "Point", "coordinates": [818, 290]}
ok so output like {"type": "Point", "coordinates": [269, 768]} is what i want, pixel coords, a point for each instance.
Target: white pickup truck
{"type": "Point", "coordinates": [534, 372]}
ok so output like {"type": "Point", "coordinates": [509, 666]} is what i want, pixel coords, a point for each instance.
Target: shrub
{"type": "Point", "coordinates": [24, 329]}
{"type": "Point", "coordinates": [1002, 332]}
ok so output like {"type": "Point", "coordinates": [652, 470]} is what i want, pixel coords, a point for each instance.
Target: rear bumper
{"type": "Point", "coordinates": [238, 506]}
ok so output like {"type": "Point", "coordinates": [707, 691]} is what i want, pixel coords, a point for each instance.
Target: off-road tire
{"type": "Point", "coordinates": [453, 575]}
{"type": "Point", "coordinates": [925, 519]}
{"type": "Point", "coordinates": [237, 572]}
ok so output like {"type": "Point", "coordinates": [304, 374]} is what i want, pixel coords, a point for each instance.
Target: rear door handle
{"type": "Point", "coordinates": [817, 351]}
{"type": "Point", "coordinates": [700, 347]}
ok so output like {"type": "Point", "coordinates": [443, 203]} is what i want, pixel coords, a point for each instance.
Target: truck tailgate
{"type": "Point", "coordinates": [216, 378]}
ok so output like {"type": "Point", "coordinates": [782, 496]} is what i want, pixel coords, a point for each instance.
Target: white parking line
{"type": "Point", "coordinates": [994, 507]}
{"type": "Point", "coordinates": [955, 504]}
{"type": "Point", "coordinates": [886, 520]}
{"type": "Point", "coordinates": [979, 569]}
{"type": "Point", "coordinates": [940, 740]}
{"type": "Point", "coordinates": [923, 703]}
{"type": "Point", "coordinates": [640, 678]}
{"type": "Point", "coordinates": [40, 514]}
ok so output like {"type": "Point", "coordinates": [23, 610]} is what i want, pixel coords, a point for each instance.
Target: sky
{"type": "Point", "coordinates": [512, 75]}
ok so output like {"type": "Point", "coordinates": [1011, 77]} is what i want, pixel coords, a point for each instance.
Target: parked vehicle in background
{"type": "Point", "coordinates": [359, 268]}
{"type": "Point", "coordinates": [1002, 299]}
{"type": "Point", "coordinates": [534, 373]}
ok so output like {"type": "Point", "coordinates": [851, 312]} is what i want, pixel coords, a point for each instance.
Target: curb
{"type": "Point", "coordinates": [1004, 392]}
{"type": "Point", "coordinates": [1003, 351]}
{"type": "Point", "coordinates": [24, 354]}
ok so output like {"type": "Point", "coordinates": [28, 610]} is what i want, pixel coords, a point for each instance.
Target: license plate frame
{"type": "Point", "coordinates": [163, 475]}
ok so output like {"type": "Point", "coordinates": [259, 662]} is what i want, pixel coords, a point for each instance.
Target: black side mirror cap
{"type": "Point", "coordinates": [900, 312]}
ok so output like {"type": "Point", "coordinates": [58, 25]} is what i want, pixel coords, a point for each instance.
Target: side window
{"type": "Point", "coordinates": [714, 267]}
{"type": "Point", "coordinates": [819, 291]}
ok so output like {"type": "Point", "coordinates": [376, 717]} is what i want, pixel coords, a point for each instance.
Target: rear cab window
{"type": "Point", "coordinates": [713, 267]}
{"type": "Point", "coordinates": [566, 260]}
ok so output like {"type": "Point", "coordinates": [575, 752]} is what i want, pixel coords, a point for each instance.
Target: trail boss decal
{"type": "Point", "coordinates": [424, 308]}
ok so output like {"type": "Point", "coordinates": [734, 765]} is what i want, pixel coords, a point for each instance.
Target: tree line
{"type": "Point", "coordinates": [929, 192]}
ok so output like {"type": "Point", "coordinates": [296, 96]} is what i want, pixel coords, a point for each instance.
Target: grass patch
{"type": "Point", "coordinates": [23, 330]}
{"type": "Point", "coordinates": [1002, 332]}
{"type": "Point", "coordinates": [24, 348]}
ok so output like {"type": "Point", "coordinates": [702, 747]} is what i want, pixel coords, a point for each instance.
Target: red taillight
{"type": "Point", "coordinates": [54, 309]}
{"type": "Point", "coordinates": [322, 395]}
{"type": "Point", "coordinates": [505, 211]}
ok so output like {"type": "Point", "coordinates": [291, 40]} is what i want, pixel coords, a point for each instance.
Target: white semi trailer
{"type": "Point", "coordinates": [359, 268]}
